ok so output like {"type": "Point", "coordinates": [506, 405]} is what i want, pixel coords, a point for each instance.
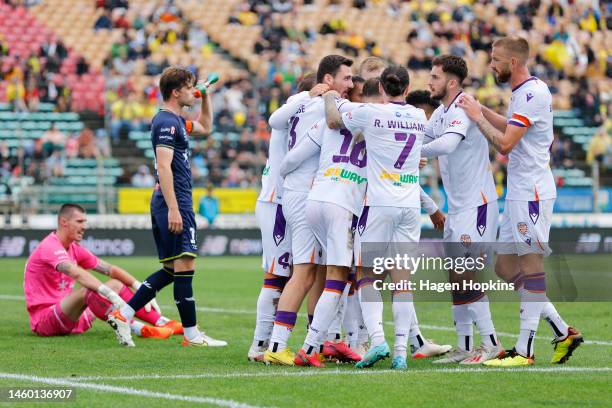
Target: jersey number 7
{"type": "Point", "coordinates": [409, 139]}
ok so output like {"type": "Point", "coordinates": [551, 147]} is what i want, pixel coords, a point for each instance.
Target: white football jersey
{"type": "Point", "coordinates": [529, 174]}
{"type": "Point", "coordinates": [341, 177]}
{"type": "Point", "coordinates": [393, 135]}
{"type": "Point", "coordinates": [466, 172]}
{"type": "Point", "coordinates": [306, 119]}
{"type": "Point", "coordinates": [271, 182]}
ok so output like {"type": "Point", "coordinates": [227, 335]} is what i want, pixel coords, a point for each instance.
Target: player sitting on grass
{"type": "Point", "coordinates": [56, 309]}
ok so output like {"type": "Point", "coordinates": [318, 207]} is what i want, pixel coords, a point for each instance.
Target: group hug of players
{"type": "Point", "coordinates": [343, 174]}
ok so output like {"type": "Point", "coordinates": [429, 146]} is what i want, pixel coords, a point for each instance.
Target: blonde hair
{"type": "Point", "coordinates": [371, 64]}
{"type": "Point", "coordinates": [517, 46]}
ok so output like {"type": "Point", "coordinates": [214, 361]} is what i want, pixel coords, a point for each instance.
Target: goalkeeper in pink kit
{"type": "Point", "coordinates": [56, 308]}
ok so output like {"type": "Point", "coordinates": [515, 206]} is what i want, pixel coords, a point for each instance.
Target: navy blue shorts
{"type": "Point", "coordinates": [173, 246]}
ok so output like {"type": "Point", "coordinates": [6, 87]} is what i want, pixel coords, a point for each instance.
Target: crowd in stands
{"type": "Point", "coordinates": [46, 156]}
{"type": "Point", "coordinates": [570, 53]}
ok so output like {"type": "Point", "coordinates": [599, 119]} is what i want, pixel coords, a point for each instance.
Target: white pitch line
{"type": "Point", "coordinates": [310, 373]}
{"type": "Point", "coordinates": [125, 390]}
{"type": "Point", "coordinates": [424, 326]}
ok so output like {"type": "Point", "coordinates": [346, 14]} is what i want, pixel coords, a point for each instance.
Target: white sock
{"type": "Point", "coordinates": [554, 320]}
{"type": "Point", "coordinates": [463, 326]}
{"type": "Point", "coordinates": [362, 330]}
{"type": "Point", "coordinates": [279, 337]}
{"type": "Point", "coordinates": [403, 310]}
{"type": "Point", "coordinates": [162, 321]}
{"type": "Point", "coordinates": [335, 328]}
{"type": "Point", "coordinates": [531, 308]}
{"type": "Point", "coordinates": [416, 337]}
{"type": "Point", "coordinates": [191, 332]}
{"type": "Point", "coordinates": [266, 312]}
{"type": "Point", "coordinates": [127, 312]}
{"type": "Point", "coordinates": [325, 311]}
{"type": "Point", "coordinates": [351, 320]}
{"type": "Point", "coordinates": [480, 314]}
{"type": "Point", "coordinates": [372, 310]}
{"type": "Point", "coordinates": [136, 327]}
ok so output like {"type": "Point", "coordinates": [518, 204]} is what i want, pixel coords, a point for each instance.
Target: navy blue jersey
{"type": "Point", "coordinates": [171, 131]}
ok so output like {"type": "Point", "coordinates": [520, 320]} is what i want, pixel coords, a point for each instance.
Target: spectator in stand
{"type": "Point", "coordinates": [55, 165]}
{"type": "Point", "coordinates": [143, 177]}
{"type": "Point", "coordinates": [209, 206]}
{"type": "Point", "coordinates": [15, 94]}
{"type": "Point", "coordinates": [127, 115]}
{"type": "Point", "coordinates": [32, 95]}
{"type": "Point", "coordinates": [104, 22]}
{"type": "Point", "coordinates": [53, 140]}
{"type": "Point", "coordinates": [87, 145]}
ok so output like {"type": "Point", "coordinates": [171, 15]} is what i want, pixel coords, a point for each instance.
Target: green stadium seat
{"type": "Point", "coordinates": [46, 107]}
{"type": "Point", "coordinates": [149, 154]}
{"type": "Point", "coordinates": [4, 106]}
{"type": "Point", "coordinates": [143, 144]}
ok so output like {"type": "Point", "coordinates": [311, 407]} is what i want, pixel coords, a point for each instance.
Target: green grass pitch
{"type": "Point", "coordinates": [226, 290]}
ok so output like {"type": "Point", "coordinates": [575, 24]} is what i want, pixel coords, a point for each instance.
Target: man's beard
{"type": "Point", "coordinates": [502, 77]}
{"type": "Point", "coordinates": [439, 96]}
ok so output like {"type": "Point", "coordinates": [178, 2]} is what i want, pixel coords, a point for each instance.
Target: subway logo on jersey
{"type": "Point", "coordinates": [343, 175]}
{"type": "Point", "coordinates": [399, 179]}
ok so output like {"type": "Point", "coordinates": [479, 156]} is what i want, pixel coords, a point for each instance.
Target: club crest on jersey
{"type": "Point", "coordinates": [523, 229]}
{"type": "Point", "coordinates": [466, 240]}
{"type": "Point", "coordinates": [399, 115]}
{"type": "Point", "coordinates": [529, 96]}
{"type": "Point", "coordinates": [534, 211]}
{"type": "Point", "coordinates": [280, 225]}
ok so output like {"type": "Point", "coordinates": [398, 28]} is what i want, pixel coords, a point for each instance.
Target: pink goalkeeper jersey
{"type": "Point", "coordinates": [43, 284]}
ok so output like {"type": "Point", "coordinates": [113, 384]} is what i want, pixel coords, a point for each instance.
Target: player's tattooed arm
{"type": "Point", "coordinates": [103, 268]}
{"type": "Point", "coordinates": [497, 120]}
{"type": "Point", "coordinates": [503, 142]}
{"type": "Point", "coordinates": [332, 115]}
{"type": "Point", "coordinates": [80, 275]}
{"type": "Point", "coordinates": [494, 136]}
{"type": "Point", "coordinates": [66, 268]}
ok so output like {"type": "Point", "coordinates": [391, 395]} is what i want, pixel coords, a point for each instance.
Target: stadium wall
{"type": "Point", "coordinates": [219, 242]}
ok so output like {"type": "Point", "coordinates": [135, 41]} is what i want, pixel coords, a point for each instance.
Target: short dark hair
{"type": "Point", "coordinates": [307, 82]}
{"type": "Point", "coordinates": [67, 209]}
{"type": "Point", "coordinates": [330, 64]}
{"type": "Point", "coordinates": [394, 80]}
{"type": "Point", "coordinates": [371, 87]}
{"type": "Point", "coordinates": [421, 97]}
{"type": "Point", "coordinates": [358, 80]}
{"type": "Point", "coordinates": [174, 78]}
{"type": "Point", "coordinates": [451, 64]}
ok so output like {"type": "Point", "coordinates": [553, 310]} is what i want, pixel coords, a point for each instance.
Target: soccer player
{"type": "Point", "coordinates": [334, 72]}
{"type": "Point", "coordinates": [172, 216]}
{"type": "Point", "coordinates": [370, 68]}
{"type": "Point", "coordinates": [276, 240]}
{"type": "Point", "coordinates": [422, 99]}
{"type": "Point", "coordinates": [525, 136]}
{"type": "Point", "coordinates": [334, 201]}
{"type": "Point", "coordinates": [393, 133]}
{"type": "Point", "coordinates": [57, 309]}
{"type": "Point", "coordinates": [472, 204]}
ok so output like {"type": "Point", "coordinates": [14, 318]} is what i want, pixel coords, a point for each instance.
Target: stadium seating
{"type": "Point", "coordinates": [231, 52]}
